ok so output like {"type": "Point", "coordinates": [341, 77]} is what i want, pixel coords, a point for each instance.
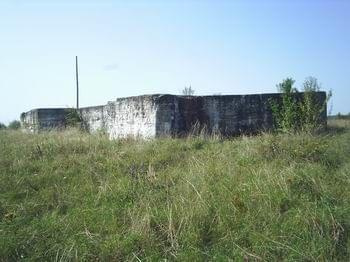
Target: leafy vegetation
{"type": "Point", "coordinates": [15, 124]}
{"type": "Point", "coordinates": [296, 113]}
{"type": "Point", "coordinates": [188, 91]}
{"type": "Point", "coordinates": [286, 115]}
{"type": "Point", "coordinates": [73, 196]}
{"type": "Point", "coordinates": [73, 118]}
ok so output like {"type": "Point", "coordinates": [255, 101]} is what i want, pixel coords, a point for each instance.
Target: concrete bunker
{"type": "Point", "coordinates": [149, 116]}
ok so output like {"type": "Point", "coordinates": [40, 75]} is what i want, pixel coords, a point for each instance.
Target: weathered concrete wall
{"type": "Point", "coordinates": [93, 118]}
{"type": "Point", "coordinates": [43, 119]}
{"type": "Point", "coordinates": [29, 121]}
{"type": "Point", "coordinates": [131, 116]}
{"type": "Point", "coordinates": [228, 115]}
{"type": "Point", "coordinates": [158, 115]}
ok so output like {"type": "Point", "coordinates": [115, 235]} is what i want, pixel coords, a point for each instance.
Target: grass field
{"type": "Point", "coordinates": [73, 196]}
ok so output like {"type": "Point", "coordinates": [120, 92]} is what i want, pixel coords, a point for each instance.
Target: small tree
{"type": "Point", "coordinates": [299, 112]}
{"type": "Point", "coordinates": [311, 108]}
{"type": "Point", "coordinates": [287, 86]}
{"type": "Point", "coordinates": [15, 124]}
{"type": "Point", "coordinates": [311, 84]}
{"type": "Point", "coordinates": [2, 126]}
{"type": "Point", "coordinates": [188, 91]}
{"type": "Point", "coordinates": [286, 113]}
{"type": "Point", "coordinates": [73, 118]}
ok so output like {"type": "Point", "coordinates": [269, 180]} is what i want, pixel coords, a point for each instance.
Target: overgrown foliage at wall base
{"type": "Point", "coordinates": [73, 118]}
{"type": "Point", "coordinates": [299, 112]}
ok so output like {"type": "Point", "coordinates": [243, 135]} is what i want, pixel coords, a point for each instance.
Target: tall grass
{"type": "Point", "coordinates": [73, 196]}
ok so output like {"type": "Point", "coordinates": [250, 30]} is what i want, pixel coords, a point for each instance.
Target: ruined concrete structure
{"type": "Point", "coordinates": [150, 116]}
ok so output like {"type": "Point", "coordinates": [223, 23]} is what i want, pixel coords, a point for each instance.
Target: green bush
{"type": "Point", "coordinates": [299, 112]}
{"type": "Point", "coordinates": [310, 108]}
{"type": "Point", "coordinates": [73, 118]}
{"type": "Point", "coordinates": [2, 126]}
{"type": "Point", "coordinates": [15, 124]}
{"type": "Point", "coordinates": [286, 114]}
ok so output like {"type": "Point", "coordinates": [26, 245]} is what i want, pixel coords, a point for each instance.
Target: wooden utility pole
{"type": "Point", "coordinates": [77, 78]}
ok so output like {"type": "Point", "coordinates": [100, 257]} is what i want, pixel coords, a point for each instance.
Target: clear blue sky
{"type": "Point", "coordinates": [130, 48]}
